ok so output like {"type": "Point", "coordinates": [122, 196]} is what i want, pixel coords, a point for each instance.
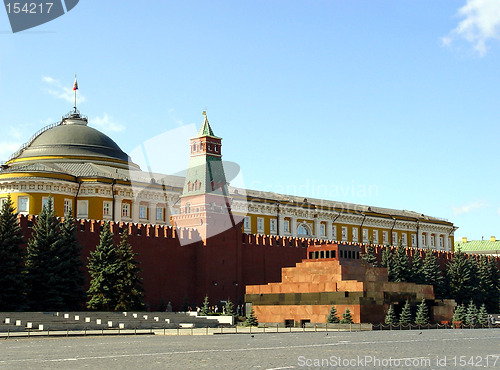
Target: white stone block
{"type": "Point", "coordinates": [29, 325]}
{"type": "Point", "coordinates": [77, 318]}
{"type": "Point", "coordinates": [66, 315]}
{"type": "Point", "coordinates": [156, 318]}
{"type": "Point", "coordinates": [87, 319]}
{"type": "Point", "coordinates": [40, 326]}
{"type": "Point", "coordinates": [110, 324]}
{"type": "Point", "coordinates": [135, 315]}
{"type": "Point", "coordinates": [98, 321]}
{"type": "Point", "coordinates": [18, 322]}
{"type": "Point", "coordinates": [145, 317]}
{"type": "Point", "coordinates": [7, 320]}
{"type": "Point", "coordinates": [121, 325]}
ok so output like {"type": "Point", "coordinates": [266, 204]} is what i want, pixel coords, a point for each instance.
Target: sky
{"type": "Point", "coordinates": [384, 103]}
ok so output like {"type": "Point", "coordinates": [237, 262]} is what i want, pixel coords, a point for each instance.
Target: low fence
{"type": "Point", "coordinates": [455, 325]}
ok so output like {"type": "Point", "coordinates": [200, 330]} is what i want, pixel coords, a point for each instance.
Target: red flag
{"type": "Point", "coordinates": [75, 86]}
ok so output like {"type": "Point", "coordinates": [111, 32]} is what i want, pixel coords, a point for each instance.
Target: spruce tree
{"type": "Point", "coordinates": [44, 264]}
{"type": "Point", "coordinates": [128, 288]}
{"type": "Point", "coordinates": [369, 257]}
{"type": "Point", "coordinates": [405, 317]}
{"type": "Point", "coordinates": [462, 278]}
{"type": "Point", "coordinates": [459, 314]}
{"type": "Point", "coordinates": [401, 267]}
{"type": "Point", "coordinates": [390, 317]}
{"type": "Point", "coordinates": [205, 309]}
{"type": "Point", "coordinates": [332, 316]}
{"type": "Point", "coordinates": [431, 273]}
{"type": "Point", "coordinates": [487, 283]}
{"type": "Point", "coordinates": [422, 316]}
{"type": "Point", "coordinates": [70, 269]}
{"type": "Point", "coordinates": [482, 315]}
{"type": "Point", "coordinates": [387, 262]}
{"type": "Point", "coordinates": [417, 268]}
{"type": "Point", "coordinates": [251, 319]}
{"type": "Point", "coordinates": [103, 266]}
{"type": "Point", "coordinates": [347, 317]}
{"type": "Point", "coordinates": [471, 315]}
{"type": "Point", "coordinates": [12, 291]}
{"type": "Point", "coordinates": [230, 311]}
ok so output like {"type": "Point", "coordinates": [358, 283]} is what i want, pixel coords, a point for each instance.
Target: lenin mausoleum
{"type": "Point", "coordinates": [197, 235]}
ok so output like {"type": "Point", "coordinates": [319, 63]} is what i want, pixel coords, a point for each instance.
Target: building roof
{"type": "Point", "coordinates": [478, 245]}
{"type": "Point", "coordinates": [205, 129]}
{"type": "Point", "coordinates": [71, 139]}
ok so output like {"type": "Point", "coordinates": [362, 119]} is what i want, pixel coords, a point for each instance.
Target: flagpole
{"type": "Point", "coordinates": [75, 93]}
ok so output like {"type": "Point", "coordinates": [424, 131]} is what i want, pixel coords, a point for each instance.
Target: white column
{"type": "Point", "coordinates": [293, 225]}
{"type": "Point", "coordinates": [317, 233]}
{"type": "Point", "coordinates": [328, 230]}
{"type": "Point", "coordinates": [419, 238]}
{"type": "Point", "coordinates": [281, 224]}
{"type": "Point", "coordinates": [117, 212]}
{"type": "Point", "coordinates": [135, 211]}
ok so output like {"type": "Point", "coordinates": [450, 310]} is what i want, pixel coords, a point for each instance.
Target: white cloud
{"type": "Point", "coordinates": [480, 23]}
{"type": "Point", "coordinates": [467, 208]}
{"type": "Point", "coordinates": [106, 123]}
{"type": "Point", "coordinates": [60, 91]}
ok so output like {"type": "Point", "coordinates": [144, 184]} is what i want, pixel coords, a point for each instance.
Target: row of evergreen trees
{"type": "Point", "coordinates": [463, 279]}
{"type": "Point", "coordinates": [405, 318]}
{"type": "Point", "coordinates": [48, 275]}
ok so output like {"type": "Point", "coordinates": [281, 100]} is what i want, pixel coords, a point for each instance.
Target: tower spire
{"type": "Point", "coordinates": [75, 87]}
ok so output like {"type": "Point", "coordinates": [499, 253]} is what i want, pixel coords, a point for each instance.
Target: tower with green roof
{"type": "Point", "coordinates": [204, 203]}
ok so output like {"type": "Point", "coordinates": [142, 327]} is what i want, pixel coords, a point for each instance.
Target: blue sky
{"type": "Point", "coordinates": [385, 103]}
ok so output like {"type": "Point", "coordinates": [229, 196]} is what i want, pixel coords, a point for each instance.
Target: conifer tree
{"type": "Point", "coordinates": [459, 314]}
{"type": "Point", "coordinates": [251, 319]}
{"type": "Point", "coordinates": [405, 317]}
{"type": "Point", "coordinates": [230, 311]}
{"type": "Point", "coordinates": [471, 315]}
{"type": "Point", "coordinates": [462, 278]}
{"type": "Point", "coordinates": [401, 267]}
{"type": "Point", "coordinates": [12, 291]}
{"type": "Point", "coordinates": [390, 317]}
{"type": "Point", "coordinates": [482, 316]}
{"type": "Point", "coordinates": [128, 288]}
{"type": "Point", "coordinates": [103, 266]}
{"type": "Point", "coordinates": [387, 262]}
{"type": "Point", "coordinates": [431, 273]}
{"type": "Point", "coordinates": [205, 309]}
{"type": "Point", "coordinates": [487, 283]}
{"type": "Point", "coordinates": [369, 257]}
{"type": "Point", "coordinates": [347, 317]}
{"type": "Point", "coordinates": [422, 316]}
{"type": "Point", "coordinates": [417, 268]}
{"type": "Point", "coordinates": [332, 316]}
{"type": "Point", "coordinates": [44, 264]}
{"type": "Point", "coordinates": [70, 273]}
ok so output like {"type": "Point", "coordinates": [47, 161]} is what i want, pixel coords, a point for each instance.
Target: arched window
{"type": "Point", "coordinates": [303, 230]}
{"type": "Point", "coordinates": [197, 185]}
{"type": "Point", "coordinates": [190, 186]}
{"type": "Point", "coordinates": [187, 208]}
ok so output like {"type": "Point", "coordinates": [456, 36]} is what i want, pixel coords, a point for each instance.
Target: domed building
{"type": "Point", "coordinates": [85, 171]}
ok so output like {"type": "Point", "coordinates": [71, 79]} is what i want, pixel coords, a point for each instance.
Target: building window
{"type": "Point", "coordinates": [143, 212]}
{"type": "Point", "coordinates": [423, 240]}
{"type": "Point", "coordinates": [375, 236]}
{"type": "Point", "coordinates": [247, 223]}
{"type": "Point", "coordinates": [45, 202]}
{"type": "Point", "coordinates": [365, 235]}
{"type": "Point", "coordinates": [106, 209]}
{"type": "Point", "coordinates": [82, 208]}
{"type": "Point", "coordinates": [272, 225]}
{"type": "Point", "coordinates": [355, 234]}
{"type": "Point", "coordinates": [260, 224]}
{"type": "Point", "coordinates": [394, 238]}
{"type": "Point", "coordinates": [344, 233]}
{"type": "Point", "coordinates": [385, 237]}
{"type": "Point", "coordinates": [322, 229]}
{"type": "Point", "coordinates": [334, 232]}
{"type": "Point", "coordinates": [432, 241]}
{"type": "Point", "coordinates": [286, 226]}
{"type": "Point", "coordinates": [68, 206]}
{"type": "Point", "coordinates": [23, 204]}
{"type": "Point", "coordinates": [404, 238]}
{"type": "Point", "coordinates": [303, 230]}
{"type": "Point", "coordinates": [414, 240]}
{"type": "Point", "coordinates": [187, 208]}
{"type": "Point", "coordinates": [441, 241]}
{"type": "Point", "coordinates": [160, 213]}
{"type": "Point", "coordinates": [126, 210]}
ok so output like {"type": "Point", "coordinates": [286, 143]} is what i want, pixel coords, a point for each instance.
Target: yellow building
{"type": "Point", "coordinates": [85, 171]}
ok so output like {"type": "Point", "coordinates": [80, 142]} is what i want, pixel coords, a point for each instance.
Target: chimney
{"type": "Point", "coordinates": [493, 239]}
{"type": "Point", "coordinates": [464, 240]}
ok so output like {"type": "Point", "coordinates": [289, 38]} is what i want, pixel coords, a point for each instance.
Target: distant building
{"type": "Point", "coordinates": [490, 247]}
